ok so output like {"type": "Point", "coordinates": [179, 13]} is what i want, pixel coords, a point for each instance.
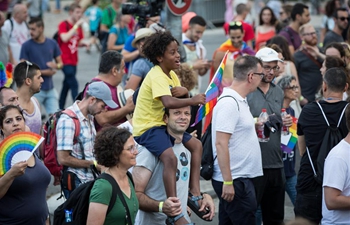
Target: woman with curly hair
{"type": "Point", "coordinates": [266, 29]}
{"type": "Point", "coordinates": [161, 89]}
{"type": "Point", "coordinates": [116, 150]}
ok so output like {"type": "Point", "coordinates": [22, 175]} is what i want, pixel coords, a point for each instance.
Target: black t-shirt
{"type": "Point", "coordinates": [313, 126]}
{"type": "Point", "coordinates": [310, 77]}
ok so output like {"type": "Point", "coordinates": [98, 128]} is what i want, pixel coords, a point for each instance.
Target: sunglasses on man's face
{"type": "Point", "coordinates": [343, 18]}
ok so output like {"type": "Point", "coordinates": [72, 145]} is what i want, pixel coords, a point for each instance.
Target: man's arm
{"type": "Point", "coordinates": [335, 200]}
{"type": "Point", "coordinates": [141, 176]}
{"type": "Point", "coordinates": [64, 158]}
{"type": "Point", "coordinates": [11, 59]}
{"type": "Point", "coordinates": [301, 145]}
{"type": "Point", "coordinates": [66, 36]}
{"type": "Point", "coordinates": [223, 157]}
{"type": "Point", "coordinates": [113, 116]}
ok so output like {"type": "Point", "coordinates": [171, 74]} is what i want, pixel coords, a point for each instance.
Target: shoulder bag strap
{"type": "Point", "coordinates": [116, 191]}
{"type": "Point", "coordinates": [324, 115]}
{"type": "Point", "coordinates": [342, 113]}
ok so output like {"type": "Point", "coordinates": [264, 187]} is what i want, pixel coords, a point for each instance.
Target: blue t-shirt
{"type": "Point", "coordinates": [94, 14]}
{"type": "Point", "coordinates": [48, 50]}
{"type": "Point", "coordinates": [289, 158]}
{"type": "Point", "coordinates": [141, 67]}
{"type": "Point", "coordinates": [122, 34]}
{"type": "Point", "coordinates": [128, 47]}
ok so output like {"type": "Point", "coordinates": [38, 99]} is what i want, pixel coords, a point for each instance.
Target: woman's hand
{"type": "Point", "coordinates": [18, 169]}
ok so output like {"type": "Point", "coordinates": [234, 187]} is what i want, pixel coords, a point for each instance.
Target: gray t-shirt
{"type": "Point", "coordinates": [273, 100]}
{"type": "Point", "coordinates": [155, 187]}
{"type": "Point", "coordinates": [330, 37]}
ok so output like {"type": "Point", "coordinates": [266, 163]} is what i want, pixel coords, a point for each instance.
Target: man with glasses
{"type": "Point", "coordinates": [28, 79]}
{"type": "Point", "coordinates": [236, 145]}
{"type": "Point", "coordinates": [79, 157]}
{"type": "Point", "coordinates": [341, 21]}
{"type": "Point", "coordinates": [271, 186]}
{"type": "Point", "coordinates": [308, 61]}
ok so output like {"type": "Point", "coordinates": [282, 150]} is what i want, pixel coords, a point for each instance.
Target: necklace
{"type": "Point", "coordinates": [331, 98]}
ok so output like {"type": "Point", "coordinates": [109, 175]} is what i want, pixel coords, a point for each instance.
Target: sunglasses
{"type": "Point", "coordinates": [343, 18]}
{"type": "Point", "coordinates": [260, 74]}
{"type": "Point", "coordinates": [28, 64]}
{"type": "Point", "coordinates": [236, 23]}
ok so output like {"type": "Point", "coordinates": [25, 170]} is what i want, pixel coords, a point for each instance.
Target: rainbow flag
{"type": "Point", "coordinates": [288, 142]}
{"type": "Point", "coordinates": [212, 92]}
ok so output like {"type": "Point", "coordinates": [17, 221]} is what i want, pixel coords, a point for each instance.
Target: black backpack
{"type": "Point", "coordinates": [207, 162]}
{"type": "Point", "coordinates": [56, 37]}
{"type": "Point", "coordinates": [78, 202]}
{"type": "Point", "coordinates": [331, 138]}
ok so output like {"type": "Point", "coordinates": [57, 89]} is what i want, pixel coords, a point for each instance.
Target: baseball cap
{"type": "Point", "coordinates": [101, 91]}
{"type": "Point", "coordinates": [267, 55]}
{"type": "Point", "coordinates": [141, 33]}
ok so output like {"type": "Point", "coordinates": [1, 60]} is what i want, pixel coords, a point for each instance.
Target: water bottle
{"type": "Point", "coordinates": [262, 118]}
{"type": "Point", "coordinates": [285, 129]}
{"type": "Point", "coordinates": [68, 215]}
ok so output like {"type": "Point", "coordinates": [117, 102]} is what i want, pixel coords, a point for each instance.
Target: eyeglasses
{"type": "Point", "coordinates": [310, 34]}
{"type": "Point", "coordinates": [294, 87]}
{"type": "Point", "coordinates": [132, 149]}
{"type": "Point", "coordinates": [268, 69]}
{"type": "Point", "coordinates": [28, 64]}
{"type": "Point", "coordinates": [260, 74]}
{"type": "Point", "coordinates": [236, 23]}
{"type": "Point", "coordinates": [343, 18]}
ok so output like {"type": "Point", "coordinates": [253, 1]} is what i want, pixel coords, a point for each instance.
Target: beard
{"type": "Point", "coordinates": [312, 42]}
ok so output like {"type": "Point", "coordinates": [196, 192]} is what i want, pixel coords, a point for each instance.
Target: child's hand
{"type": "Point", "coordinates": [199, 99]}
{"type": "Point", "coordinates": [179, 91]}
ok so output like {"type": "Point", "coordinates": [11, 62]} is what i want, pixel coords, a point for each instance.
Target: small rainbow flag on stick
{"type": "Point", "coordinates": [212, 92]}
{"type": "Point", "coordinates": [288, 142]}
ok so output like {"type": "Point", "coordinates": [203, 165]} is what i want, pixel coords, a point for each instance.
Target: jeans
{"type": "Point", "coordinates": [49, 99]}
{"type": "Point", "coordinates": [241, 211]}
{"type": "Point", "coordinates": [291, 182]}
{"type": "Point", "coordinates": [67, 192]}
{"type": "Point", "coordinates": [69, 82]}
{"type": "Point", "coordinates": [58, 4]}
{"type": "Point", "coordinates": [270, 190]}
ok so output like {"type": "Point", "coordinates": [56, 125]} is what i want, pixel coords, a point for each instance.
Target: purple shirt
{"type": "Point", "coordinates": [292, 37]}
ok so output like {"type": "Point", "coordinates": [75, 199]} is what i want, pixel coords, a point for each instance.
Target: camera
{"type": "Point", "coordinates": [143, 9]}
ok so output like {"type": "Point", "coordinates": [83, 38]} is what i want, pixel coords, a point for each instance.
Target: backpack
{"type": "Point", "coordinates": [56, 36]}
{"type": "Point", "coordinates": [78, 202]}
{"type": "Point", "coordinates": [11, 22]}
{"type": "Point", "coordinates": [80, 95]}
{"type": "Point", "coordinates": [49, 151]}
{"type": "Point", "coordinates": [331, 138]}
{"type": "Point", "coordinates": [207, 162]}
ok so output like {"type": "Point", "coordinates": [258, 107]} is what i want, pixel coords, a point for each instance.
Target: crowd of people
{"type": "Point", "coordinates": [278, 65]}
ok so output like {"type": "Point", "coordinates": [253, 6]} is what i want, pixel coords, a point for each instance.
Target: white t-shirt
{"type": "Point", "coordinates": [244, 148]}
{"type": "Point", "coordinates": [19, 35]}
{"type": "Point", "coordinates": [337, 175]}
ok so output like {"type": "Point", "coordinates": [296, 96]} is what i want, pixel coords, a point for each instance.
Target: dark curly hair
{"type": "Point", "coordinates": [156, 44]}
{"type": "Point", "coordinates": [109, 144]}
{"type": "Point", "coordinates": [273, 20]}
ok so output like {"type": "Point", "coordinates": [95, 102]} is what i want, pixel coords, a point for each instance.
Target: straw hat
{"type": "Point", "coordinates": [141, 33]}
{"type": "Point", "coordinates": [123, 95]}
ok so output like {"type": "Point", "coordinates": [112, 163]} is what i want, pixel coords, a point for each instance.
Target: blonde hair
{"type": "Point", "coordinates": [187, 76]}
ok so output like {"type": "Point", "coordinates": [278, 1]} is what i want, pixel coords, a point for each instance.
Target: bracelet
{"type": "Point", "coordinates": [161, 206]}
{"type": "Point", "coordinates": [228, 182]}
{"type": "Point", "coordinates": [58, 65]}
{"type": "Point", "coordinates": [75, 27]}
{"type": "Point", "coordinates": [301, 98]}
{"type": "Point", "coordinates": [95, 163]}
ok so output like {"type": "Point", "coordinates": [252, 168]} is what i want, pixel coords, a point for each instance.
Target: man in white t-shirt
{"type": "Point", "coordinates": [336, 182]}
{"type": "Point", "coordinates": [149, 184]}
{"type": "Point", "coordinates": [17, 29]}
{"type": "Point", "coordinates": [236, 145]}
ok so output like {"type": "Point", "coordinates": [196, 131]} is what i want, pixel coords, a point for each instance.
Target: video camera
{"type": "Point", "coordinates": [143, 9]}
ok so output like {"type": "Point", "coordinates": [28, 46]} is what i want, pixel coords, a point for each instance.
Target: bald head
{"type": "Point", "coordinates": [20, 13]}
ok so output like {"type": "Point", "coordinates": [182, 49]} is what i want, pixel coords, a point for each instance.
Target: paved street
{"type": "Point", "coordinates": [88, 68]}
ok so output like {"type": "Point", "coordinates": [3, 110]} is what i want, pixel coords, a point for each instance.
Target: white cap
{"type": "Point", "coordinates": [267, 55]}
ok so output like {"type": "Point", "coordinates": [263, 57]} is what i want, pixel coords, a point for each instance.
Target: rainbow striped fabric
{"type": "Point", "coordinates": [212, 92]}
{"type": "Point", "coordinates": [288, 142]}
